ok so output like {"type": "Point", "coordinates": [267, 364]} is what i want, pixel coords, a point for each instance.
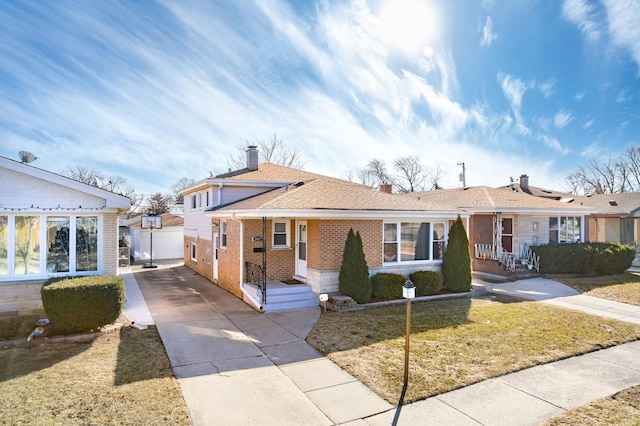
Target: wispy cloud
{"type": "Point", "coordinates": [587, 124]}
{"type": "Point", "coordinates": [623, 17]}
{"type": "Point", "coordinates": [554, 144]}
{"type": "Point", "coordinates": [562, 118]}
{"type": "Point", "coordinates": [513, 89]}
{"type": "Point", "coordinates": [546, 87]}
{"type": "Point", "coordinates": [488, 36]}
{"type": "Point", "coordinates": [583, 15]}
{"type": "Point", "coordinates": [580, 96]}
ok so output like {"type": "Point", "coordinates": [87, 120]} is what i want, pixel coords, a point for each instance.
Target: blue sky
{"type": "Point", "coordinates": [157, 91]}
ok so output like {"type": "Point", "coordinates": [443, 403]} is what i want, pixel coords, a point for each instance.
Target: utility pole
{"type": "Point", "coordinates": [463, 177]}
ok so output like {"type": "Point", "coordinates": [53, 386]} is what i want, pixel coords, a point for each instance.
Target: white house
{"type": "Point", "coordinates": [51, 226]}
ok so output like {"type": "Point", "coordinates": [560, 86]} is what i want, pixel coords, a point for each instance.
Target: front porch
{"type": "Point", "coordinates": [494, 262]}
{"type": "Point", "coordinates": [279, 296]}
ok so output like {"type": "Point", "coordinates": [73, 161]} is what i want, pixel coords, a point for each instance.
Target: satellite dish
{"type": "Point", "coordinates": [27, 157]}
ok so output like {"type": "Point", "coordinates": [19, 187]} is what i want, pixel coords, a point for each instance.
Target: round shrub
{"type": "Point", "coordinates": [77, 305]}
{"type": "Point", "coordinates": [427, 282]}
{"type": "Point", "coordinates": [387, 286]}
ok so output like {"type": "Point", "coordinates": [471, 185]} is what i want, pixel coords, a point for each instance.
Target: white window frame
{"type": "Point", "coordinates": [193, 202]}
{"type": "Point", "coordinates": [287, 233]}
{"type": "Point", "coordinates": [398, 241]}
{"type": "Point", "coordinates": [193, 253]}
{"type": "Point", "coordinates": [560, 229]}
{"type": "Point", "coordinates": [223, 234]}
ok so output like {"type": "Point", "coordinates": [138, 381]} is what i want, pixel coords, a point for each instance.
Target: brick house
{"type": "Point", "coordinates": [505, 223]}
{"type": "Point", "coordinates": [51, 226]}
{"type": "Point", "coordinates": [284, 229]}
{"type": "Point", "coordinates": [615, 217]}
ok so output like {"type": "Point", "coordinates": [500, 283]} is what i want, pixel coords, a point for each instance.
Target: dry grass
{"type": "Point", "coordinates": [120, 378]}
{"type": "Point", "coordinates": [622, 408]}
{"type": "Point", "coordinates": [624, 288]}
{"type": "Point", "coordinates": [456, 343]}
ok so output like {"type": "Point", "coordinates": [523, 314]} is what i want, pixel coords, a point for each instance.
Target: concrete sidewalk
{"type": "Point", "coordinates": [236, 366]}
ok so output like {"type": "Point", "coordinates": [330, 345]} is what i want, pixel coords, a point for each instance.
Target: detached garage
{"type": "Point", "coordinates": [167, 242]}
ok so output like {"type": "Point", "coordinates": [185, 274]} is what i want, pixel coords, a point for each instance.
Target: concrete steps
{"type": "Point", "coordinates": [282, 297]}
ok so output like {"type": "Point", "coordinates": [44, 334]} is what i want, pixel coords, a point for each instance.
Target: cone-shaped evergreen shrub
{"type": "Point", "coordinates": [354, 272]}
{"type": "Point", "coordinates": [456, 264]}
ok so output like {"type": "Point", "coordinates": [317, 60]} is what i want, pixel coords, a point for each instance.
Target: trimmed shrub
{"type": "Point", "coordinates": [456, 264]}
{"type": "Point", "coordinates": [427, 282]}
{"type": "Point", "coordinates": [77, 305]}
{"type": "Point", "coordinates": [585, 258]}
{"type": "Point", "coordinates": [387, 286]}
{"type": "Point", "coordinates": [354, 280]}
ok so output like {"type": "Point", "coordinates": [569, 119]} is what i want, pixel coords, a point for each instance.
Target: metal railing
{"type": "Point", "coordinates": [529, 258]}
{"type": "Point", "coordinates": [257, 276]}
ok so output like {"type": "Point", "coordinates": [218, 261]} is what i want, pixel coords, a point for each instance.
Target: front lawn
{"type": "Point", "coordinates": [120, 378]}
{"type": "Point", "coordinates": [455, 343]}
{"type": "Point", "coordinates": [624, 288]}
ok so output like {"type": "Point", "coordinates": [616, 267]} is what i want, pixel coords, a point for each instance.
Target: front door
{"type": "Point", "coordinates": [301, 248]}
{"type": "Point", "coordinates": [215, 257]}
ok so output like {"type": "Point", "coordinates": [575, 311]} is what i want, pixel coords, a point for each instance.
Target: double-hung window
{"type": "Point", "coordinates": [413, 241]}
{"type": "Point", "coordinates": [223, 234]}
{"type": "Point", "coordinates": [281, 237]}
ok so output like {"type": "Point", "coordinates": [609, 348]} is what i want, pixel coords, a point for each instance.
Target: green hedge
{"type": "Point", "coordinates": [387, 286]}
{"type": "Point", "coordinates": [353, 279]}
{"type": "Point", "coordinates": [427, 282]}
{"type": "Point", "coordinates": [585, 258]}
{"type": "Point", "coordinates": [77, 305]}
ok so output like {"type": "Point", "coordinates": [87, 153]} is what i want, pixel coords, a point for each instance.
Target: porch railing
{"type": "Point", "coordinates": [491, 252]}
{"type": "Point", "coordinates": [529, 258]}
{"type": "Point", "coordinates": [257, 276]}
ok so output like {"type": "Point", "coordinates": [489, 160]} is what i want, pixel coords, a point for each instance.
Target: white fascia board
{"type": "Point", "coordinates": [533, 211]}
{"type": "Point", "coordinates": [112, 200]}
{"type": "Point", "coordinates": [337, 214]}
{"type": "Point", "coordinates": [207, 183]}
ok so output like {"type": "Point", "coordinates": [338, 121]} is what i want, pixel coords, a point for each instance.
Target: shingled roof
{"type": "Point", "coordinates": [620, 204]}
{"type": "Point", "coordinates": [487, 199]}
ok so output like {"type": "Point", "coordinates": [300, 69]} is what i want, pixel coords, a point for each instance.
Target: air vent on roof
{"type": "Point", "coordinates": [546, 191]}
{"type": "Point", "coordinates": [613, 203]}
{"type": "Point", "coordinates": [297, 184]}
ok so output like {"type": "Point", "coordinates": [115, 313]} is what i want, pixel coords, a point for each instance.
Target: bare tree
{"type": "Point", "coordinates": [274, 150]}
{"type": "Point", "coordinates": [179, 185]}
{"type": "Point", "coordinates": [94, 177]}
{"type": "Point", "coordinates": [607, 176]}
{"type": "Point", "coordinates": [411, 175]}
{"type": "Point", "coordinates": [631, 163]}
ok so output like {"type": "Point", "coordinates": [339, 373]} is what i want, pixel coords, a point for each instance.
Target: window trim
{"type": "Point", "coordinates": [193, 252]}
{"type": "Point", "coordinates": [223, 234]}
{"type": "Point", "coordinates": [287, 233]}
{"type": "Point", "coordinates": [559, 229]}
{"type": "Point", "coordinates": [398, 242]}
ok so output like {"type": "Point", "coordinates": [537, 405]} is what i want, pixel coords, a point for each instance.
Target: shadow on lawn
{"type": "Point", "coordinates": [141, 356]}
{"type": "Point", "coordinates": [17, 362]}
{"type": "Point", "coordinates": [340, 331]}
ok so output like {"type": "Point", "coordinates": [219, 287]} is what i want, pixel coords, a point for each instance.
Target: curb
{"type": "Point", "coordinates": [70, 338]}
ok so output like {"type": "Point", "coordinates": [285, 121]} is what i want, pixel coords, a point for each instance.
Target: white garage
{"type": "Point", "coordinates": [168, 242]}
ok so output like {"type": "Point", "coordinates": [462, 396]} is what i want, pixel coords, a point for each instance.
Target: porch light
{"type": "Point", "coordinates": [408, 290]}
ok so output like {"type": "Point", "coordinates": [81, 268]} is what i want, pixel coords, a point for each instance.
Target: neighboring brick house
{"type": "Point", "coordinates": [505, 223]}
{"type": "Point", "coordinates": [51, 226]}
{"type": "Point", "coordinates": [294, 224]}
{"type": "Point", "coordinates": [614, 217]}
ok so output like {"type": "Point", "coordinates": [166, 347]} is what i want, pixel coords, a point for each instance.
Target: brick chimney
{"type": "Point", "coordinates": [252, 157]}
{"type": "Point", "coordinates": [524, 182]}
{"type": "Point", "coordinates": [386, 187]}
